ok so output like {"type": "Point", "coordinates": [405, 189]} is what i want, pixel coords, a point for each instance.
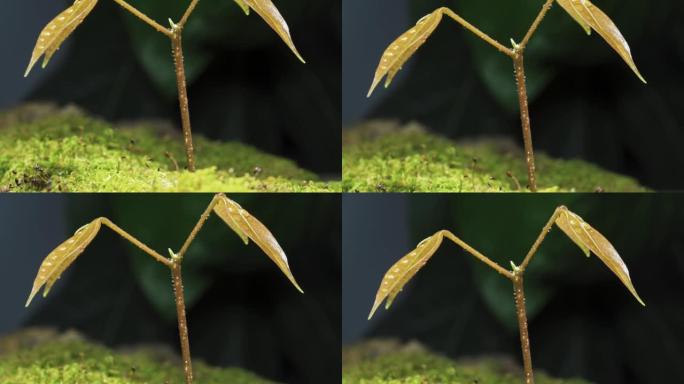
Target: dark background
{"type": "Point", "coordinates": [582, 320]}
{"type": "Point", "coordinates": [584, 100]}
{"type": "Point", "coordinates": [242, 311]}
{"type": "Point", "coordinates": [244, 83]}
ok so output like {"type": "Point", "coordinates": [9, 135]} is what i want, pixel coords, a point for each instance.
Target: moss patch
{"type": "Point", "coordinates": [388, 362]}
{"type": "Point", "coordinates": [43, 148]}
{"type": "Point", "coordinates": [385, 157]}
{"type": "Point", "coordinates": [42, 357]}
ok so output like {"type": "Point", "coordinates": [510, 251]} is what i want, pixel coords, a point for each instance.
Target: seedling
{"type": "Point", "coordinates": [583, 11]}
{"type": "Point", "coordinates": [54, 34]}
{"type": "Point", "coordinates": [587, 238]}
{"type": "Point", "coordinates": [240, 221]}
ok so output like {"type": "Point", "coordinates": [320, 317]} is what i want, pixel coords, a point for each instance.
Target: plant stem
{"type": "Point", "coordinates": [143, 17]}
{"type": "Point", "coordinates": [105, 221]}
{"type": "Point", "coordinates": [535, 24]}
{"type": "Point", "coordinates": [182, 321]}
{"type": "Point", "coordinates": [540, 238]}
{"type": "Point", "coordinates": [178, 61]}
{"type": "Point", "coordinates": [519, 67]}
{"type": "Point", "coordinates": [500, 47]}
{"type": "Point", "coordinates": [477, 254]}
{"type": "Point", "coordinates": [519, 295]}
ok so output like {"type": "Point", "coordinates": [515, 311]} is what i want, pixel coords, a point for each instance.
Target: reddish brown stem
{"type": "Point", "coordinates": [519, 295]}
{"type": "Point", "coordinates": [519, 67]}
{"type": "Point", "coordinates": [182, 321]}
{"type": "Point", "coordinates": [177, 45]}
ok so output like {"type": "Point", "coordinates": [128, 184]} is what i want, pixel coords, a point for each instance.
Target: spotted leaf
{"type": "Point", "coordinates": [589, 239]}
{"type": "Point", "coordinates": [54, 34]}
{"type": "Point", "coordinates": [591, 17]}
{"type": "Point", "coordinates": [248, 227]}
{"type": "Point", "coordinates": [404, 47]}
{"type": "Point", "coordinates": [404, 269]}
{"type": "Point", "coordinates": [273, 18]}
{"type": "Point", "coordinates": [62, 257]}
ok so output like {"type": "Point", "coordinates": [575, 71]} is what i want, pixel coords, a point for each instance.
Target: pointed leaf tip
{"type": "Point", "coordinates": [62, 257]}
{"type": "Point", "coordinates": [268, 11]}
{"type": "Point", "coordinates": [401, 49]}
{"type": "Point", "coordinates": [403, 270]}
{"type": "Point", "coordinates": [591, 17]}
{"type": "Point", "coordinates": [248, 227]}
{"type": "Point", "coordinates": [589, 239]}
{"type": "Point", "coordinates": [58, 30]}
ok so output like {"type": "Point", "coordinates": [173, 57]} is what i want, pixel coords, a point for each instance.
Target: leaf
{"type": "Point", "coordinates": [62, 257]}
{"type": "Point", "coordinates": [272, 16]}
{"type": "Point", "coordinates": [248, 227]}
{"type": "Point", "coordinates": [591, 17]}
{"type": "Point", "coordinates": [57, 30]}
{"type": "Point", "coordinates": [589, 239]}
{"type": "Point", "coordinates": [404, 269]}
{"type": "Point", "coordinates": [404, 47]}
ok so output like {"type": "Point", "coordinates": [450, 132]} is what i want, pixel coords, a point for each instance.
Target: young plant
{"type": "Point", "coordinates": [583, 11]}
{"type": "Point", "coordinates": [54, 34]}
{"type": "Point", "coordinates": [240, 221]}
{"type": "Point", "coordinates": [587, 238]}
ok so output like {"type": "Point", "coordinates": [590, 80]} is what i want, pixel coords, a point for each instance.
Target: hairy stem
{"type": "Point", "coordinates": [182, 321]}
{"type": "Point", "coordinates": [519, 295]}
{"type": "Point", "coordinates": [477, 254]}
{"type": "Point", "coordinates": [178, 61]}
{"type": "Point", "coordinates": [105, 221]}
{"type": "Point", "coordinates": [143, 17]}
{"type": "Point", "coordinates": [519, 67]}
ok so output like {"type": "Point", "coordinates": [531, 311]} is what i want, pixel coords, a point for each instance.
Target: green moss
{"type": "Point", "coordinates": [72, 360]}
{"type": "Point", "coordinates": [384, 157]}
{"type": "Point", "coordinates": [413, 365]}
{"type": "Point", "coordinates": [43, 148]}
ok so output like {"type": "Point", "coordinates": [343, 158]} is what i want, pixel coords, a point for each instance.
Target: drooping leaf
{"type": "Point", "coordinates": [404, 269]}
{"type": "Point", "coordinates": [273, 18]}
{"type": "Point", "coordinates": [591, 17]}
{"type": "Point", "coordinates": [589, 239]}
{"type": "Point", "coordinates": [62, 257]}
{"type": "Point", "coordinates": [248, 227]}
{"type": "Point", "coordinates": [404, 47]}
{"type": "Point", "coordinates": [57, 30]}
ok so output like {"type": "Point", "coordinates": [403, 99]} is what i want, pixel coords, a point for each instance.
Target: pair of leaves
{"type": "Point", "coordinates": [586, 237]}
{"type": "Point", "coordinates": [61, 27]}
{"type": "Point", "coordinates": [239, 220]}
{"type": "Point", "coordinates": [583, 11]}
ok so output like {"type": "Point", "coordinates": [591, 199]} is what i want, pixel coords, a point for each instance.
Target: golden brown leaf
{"type": "Point", "coordinates": [591, 17]}
{"type": "Point", "coordinates": [404, 269]}
{"type": "Point", "coordinates": [62, 257]}
{"type": "Point", "coordinates": [248, 227]}
{"type": "Point", "coordinates": [404, 47]}
{"type": "Point", "coordinates": [589, 239]}
{"type": "Point", "coordinates": [54, 34]}
{"type": "Point", "coordinates": [273, 18]}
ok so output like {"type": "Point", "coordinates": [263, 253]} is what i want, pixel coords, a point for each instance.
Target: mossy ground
{"type": "Point", "coordinates": [388, 362]}
{"type": "Point", "coordinates": [43, 148]}
{"type": "Point", "coordinates": [386, 157]}
{"type": "Point", "coordinates": [42, 357]}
